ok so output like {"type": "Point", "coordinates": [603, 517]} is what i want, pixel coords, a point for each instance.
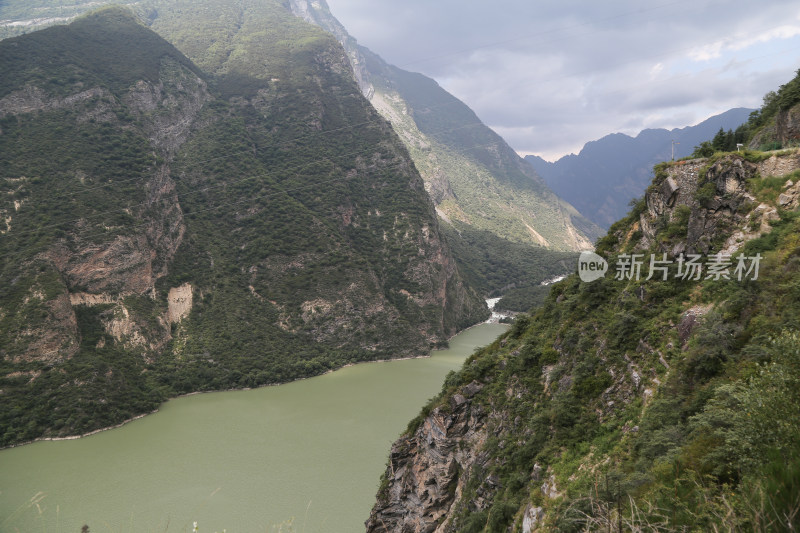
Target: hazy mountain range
{"type": "Point", "coordinates": [602, 179]}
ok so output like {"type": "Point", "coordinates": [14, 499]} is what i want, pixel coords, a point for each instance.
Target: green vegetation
{"type": "Point", "coordinates": [505, 227]}
{"type": "Point", "coordinates": [492, 188]}
{"type": "Point", "coordinates": [472, 175]}
{"type": "Point", "coordinates": [768, 189]}
{"type": "Point", "coordinates": [786, 97]}
{"type": "Point", "coordinates": [497, 267]}
{"type": "Point", "coordinates": [656, 405]}
{"type": "Point", "coordinates": [288, 205]}
{"type": "Point", "coordinates": [523, 298]}
{"type": "Point", "coordinates": [451, 140]}
{"type": "Point", "coordinates": [82, 55]}
{"type": "Point", "coordinates": [757, 126]}
{"type": "Point", "coordinates": [723, 141]}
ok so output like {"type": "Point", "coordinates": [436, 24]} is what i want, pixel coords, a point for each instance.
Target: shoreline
{"type": "Point", "coordinates": [137, 417]}
{"type": "Point", "coordinates": [82, 435]}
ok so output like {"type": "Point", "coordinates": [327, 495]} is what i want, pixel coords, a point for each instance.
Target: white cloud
{"type": "Point", "coordinates": [657, 69]}
{"type": "Point", "coordinates": [551, 75]}
{"type": "Point", "coordinates": [737, 43]}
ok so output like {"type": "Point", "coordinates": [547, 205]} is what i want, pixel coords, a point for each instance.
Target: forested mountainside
{"type": "Point", "coordinates": [777, 124]}
{"type": "Point", "coordinates": [603, 178]}
{"type": "Point", "coordinates": [169, 228]}
{"type": "Point", "coordinates": [483, 191]}
{"type": "Point", "coordinates": [507, 227]}
{"type": "Point", "coordinates": [658, 397]}
{"type": "Point", "coordinates": [475, 179]}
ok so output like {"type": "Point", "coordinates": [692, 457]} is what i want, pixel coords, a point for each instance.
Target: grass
{"type": "Point", "coordinates": [680, 456]}
{"type": "Point", "coordinates": [767, 189]}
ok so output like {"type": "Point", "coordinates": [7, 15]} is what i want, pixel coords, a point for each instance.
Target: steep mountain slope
{"type": "Point", "coordinates": [483, 191]}
{"type": "Point", "coordinates": [167, 231]}
{"type": "Point", "coordinates": [777, 124]}
{"type": "Point", "coordinates": [608, 173]}
{"type": "Point", "coordinates": [664, 399]}
{"type": "Point", "coordinates": [475, 179]}
{"type": "Point", "coordinates": [472, 175]}
{"type": "Point", "coordinates": [506, 227]}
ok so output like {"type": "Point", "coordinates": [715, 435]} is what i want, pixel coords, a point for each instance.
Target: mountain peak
{"type": "Point", "coordinates": [109, 47]}
{"type": "Point", "coordinates": [476, 180]}
{"type": "Point", "coordinates": [609, 172]}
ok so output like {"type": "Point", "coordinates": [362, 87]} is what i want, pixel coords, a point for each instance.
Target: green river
{"type": "Point", "coordinates": [304, 457]}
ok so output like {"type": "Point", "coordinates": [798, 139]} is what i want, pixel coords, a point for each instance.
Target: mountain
{"type": "Point", "coordinates": [509, 232]}
{"type": "Point", "coordinates": [475, 179]}
{"type": "Point", "coordinates": [608, 173]}
{"type": "Point", "coordinates": [482, 189]}
{"type": "Point", "coordinates": [657, 397]}
{"type": "Point", "coordinates": [777, 124]}
{"type": "Point", "coordinates": [170, 228]}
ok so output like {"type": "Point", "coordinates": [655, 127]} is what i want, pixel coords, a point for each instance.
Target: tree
{"type": "Point", "coordinates": [723, 141]}
{"type": "Point", "coordinates": [704, 149]}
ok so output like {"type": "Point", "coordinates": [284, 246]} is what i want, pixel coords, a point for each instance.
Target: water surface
{"type": "Point", "coordinates": [310, 452]}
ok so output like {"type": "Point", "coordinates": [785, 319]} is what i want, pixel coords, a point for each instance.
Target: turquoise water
{"type": "Point", "coordinates": [301, 457]}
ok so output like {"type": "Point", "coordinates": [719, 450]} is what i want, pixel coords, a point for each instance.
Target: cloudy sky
{"type": "Point", "coordinates": [550, 75]}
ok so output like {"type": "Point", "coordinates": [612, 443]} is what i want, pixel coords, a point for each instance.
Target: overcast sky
{"type": "Point", "coordinates": [551, 75]}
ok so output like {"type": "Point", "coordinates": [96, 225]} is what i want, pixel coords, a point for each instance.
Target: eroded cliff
{"type": "Point", "coordinates": [605, 407]}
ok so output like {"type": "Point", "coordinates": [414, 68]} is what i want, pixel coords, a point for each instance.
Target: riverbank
{"type": "Point", "coordinates": [195, 393]}
{"type": "Point", "coordinates": [88, 434]}
{"type": "Point", "coordinates": [271, 450]}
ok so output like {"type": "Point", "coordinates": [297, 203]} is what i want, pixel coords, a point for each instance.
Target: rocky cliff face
{"type": "Point", "coordinates": [783, 130]}
{"type": "Point", "coordinates": [568, 421]}
{"type": "Point", "coordinates": [427, 469]}
{"type": "Point", "coordinates": [716, 206]}
{"type": "Point", "coordinates": [105, 270]}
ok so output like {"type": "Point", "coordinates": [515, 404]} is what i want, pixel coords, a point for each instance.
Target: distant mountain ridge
{"type": "Point", "coordinates": [482, 190]}
{"type": "Point", "coordinates": [601, 180]}
{"type": "Point", "coordinates": [476, 180]}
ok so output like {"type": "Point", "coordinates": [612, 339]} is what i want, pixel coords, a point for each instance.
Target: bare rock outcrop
{"type": "Point", "coordinates": [32, 99]}
{"type": "Point", "coordinates": [55, 339]}
{"type": "Point", "coordinates": [717, 203]}
{"type": "Point", "coordinates": [96, 272]}
{"type": "Point", "coordinates": [427, 470]}
{"type": "Point", "coordinates": [179, 303]}
{"type": "Point", "coordinates": [785, 130]}
{"type": "Point", "coordinates": [170, 106]}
